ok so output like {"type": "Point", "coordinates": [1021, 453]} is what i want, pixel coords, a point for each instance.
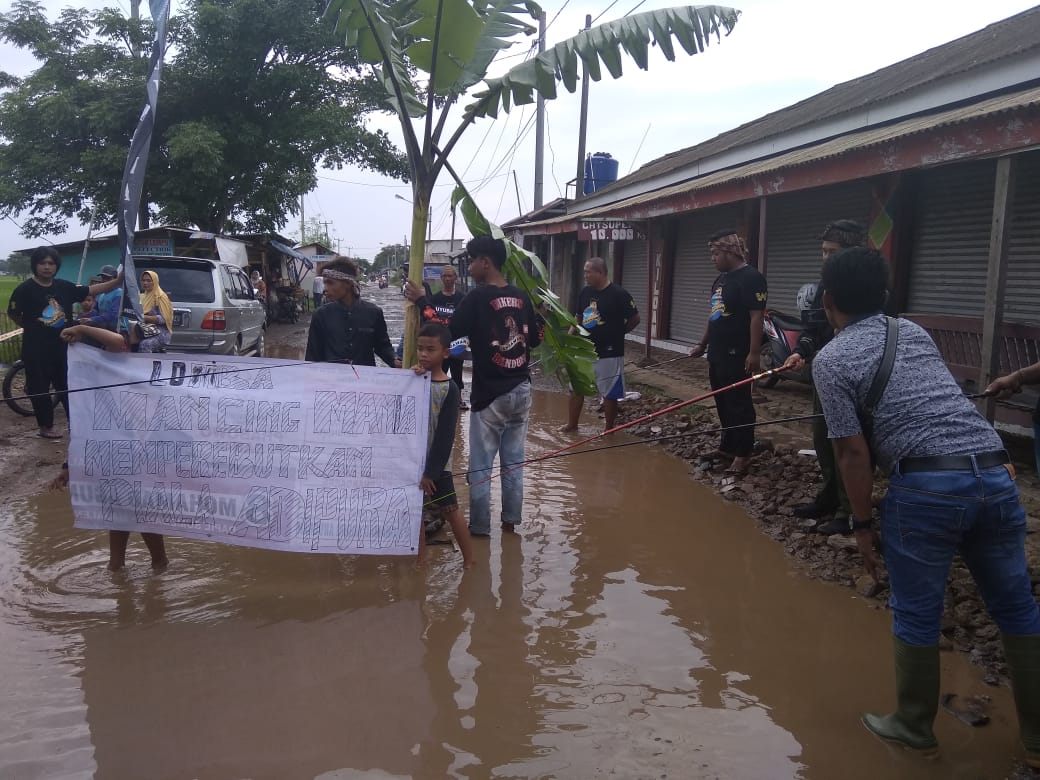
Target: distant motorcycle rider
{"type": "Point", "coordinates": [842, 234]}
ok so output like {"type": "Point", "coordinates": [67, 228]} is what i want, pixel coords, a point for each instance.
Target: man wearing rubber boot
{"type": "Point", "coordinates": [832, 497]}
{"type": "Point", "coordinates": [951, 491]}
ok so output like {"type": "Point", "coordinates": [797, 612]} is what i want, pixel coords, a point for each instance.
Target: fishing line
{"type": "Point", "coordinates": [200, 377]}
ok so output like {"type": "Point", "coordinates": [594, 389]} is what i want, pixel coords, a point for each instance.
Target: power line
{"type": "Point", "coordinates": [552, 154]}
{"type": "Point", "coordinates": [635, 7]}
{"type": "Point", "coordinates": [615, 2]}
{"type": "Point", "coordinates": [557, 16]}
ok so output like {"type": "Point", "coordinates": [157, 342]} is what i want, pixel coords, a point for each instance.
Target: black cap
{"type": "Point", "coordinates": [108, 271]}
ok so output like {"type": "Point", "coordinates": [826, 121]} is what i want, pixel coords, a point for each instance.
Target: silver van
{"type": "Point", "coordinates": [214, 305]}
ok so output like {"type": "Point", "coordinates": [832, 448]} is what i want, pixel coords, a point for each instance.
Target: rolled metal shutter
{"type": "Point", "coordinates": [633, 278]}
{"type": "Point", "coordinates": [1022, 294]}
{"type": "Point", "coordinates": [951, 240]}
{"type": "Point", "coordinates": [694, 272]}
{"type": "Point", "coordinates": [793, 226]}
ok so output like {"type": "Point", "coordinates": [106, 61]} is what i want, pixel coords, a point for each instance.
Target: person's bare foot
{"type": "Point", "coordinates": [568, 428]}
{"type": "Point", "coordinates": [509, 528]}
{"type": "Point", "coordinates": [50, 433]}
{"type": "Point", "coordinates": [466, 565]}
{"type": "Point", "coordinates": [160, 565]}
{"type": "Point", "coordinates": [739, 466]}
{"type": "Point", "coordinates": [116, 568]}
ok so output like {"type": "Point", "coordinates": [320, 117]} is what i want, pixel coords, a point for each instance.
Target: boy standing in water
{"type": "Point", "coordinates": [433, 350]}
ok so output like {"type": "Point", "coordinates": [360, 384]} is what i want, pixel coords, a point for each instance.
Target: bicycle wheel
{"type": "Point", "coordinates": [14, 390]}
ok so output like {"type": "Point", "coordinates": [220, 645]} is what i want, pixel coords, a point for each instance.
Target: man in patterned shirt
{"type": "Point", "coordinates": [951, 491]}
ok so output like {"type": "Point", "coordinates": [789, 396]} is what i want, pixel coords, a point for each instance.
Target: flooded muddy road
{"type": "Point", "coordinates": [638, 627]}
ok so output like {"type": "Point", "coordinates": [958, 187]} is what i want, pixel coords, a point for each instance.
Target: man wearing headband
{"type": "Point", "coordinates": [348, 330]}
{"type": "Point", "coordinates": [733, 340]}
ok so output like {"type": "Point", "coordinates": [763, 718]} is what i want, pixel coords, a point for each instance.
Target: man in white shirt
{"type": "Point", "coordinates": [318, 290]}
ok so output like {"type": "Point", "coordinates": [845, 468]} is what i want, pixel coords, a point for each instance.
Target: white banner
{"type": "Point", "coordinates": [284, 455]}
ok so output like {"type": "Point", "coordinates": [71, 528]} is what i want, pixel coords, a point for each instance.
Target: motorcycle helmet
{"type": "Point", "coordinates": [806, 301]}
{"type": "Point", "coordinates": [805, 296]}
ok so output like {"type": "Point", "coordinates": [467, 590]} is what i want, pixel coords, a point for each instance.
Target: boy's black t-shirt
{"type": "Point", "coordinates": [734, 295]}
{"type": "Point", "coordinates": [45, 311]}
{"type": "Point", "coordinates": [501, 327]}
{"type": "Point", "coordinates": [603, 313]}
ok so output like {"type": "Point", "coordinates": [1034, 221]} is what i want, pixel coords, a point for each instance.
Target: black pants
{"type": "Point", "coordinates": [832, 495]}
{"type": "Point", "coordinates": [46, 367]}
{"type": "Point", "coordinates": [453, 366]}
{"type": "Point", "coordinates": [734, 406]}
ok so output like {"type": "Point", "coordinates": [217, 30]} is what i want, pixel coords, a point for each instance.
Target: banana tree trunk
{"type": "Point", "coordinates": [420, 216]}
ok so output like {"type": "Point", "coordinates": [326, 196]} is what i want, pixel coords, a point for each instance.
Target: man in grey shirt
{"type": "Point", "coordinates": [951, 490]}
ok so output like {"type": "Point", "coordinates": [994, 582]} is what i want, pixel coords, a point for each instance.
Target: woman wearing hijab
{"type": "Point", "coordinates": [158, 311]}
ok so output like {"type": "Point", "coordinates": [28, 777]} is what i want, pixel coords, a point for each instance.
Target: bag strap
{"type": "Point", "coordinates": [884, 372]}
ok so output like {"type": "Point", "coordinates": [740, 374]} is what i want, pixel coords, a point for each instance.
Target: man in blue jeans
{"type": "Point", "coordinates": [499, 321]}
{"type": "Point", "coordinates": [951, 491]}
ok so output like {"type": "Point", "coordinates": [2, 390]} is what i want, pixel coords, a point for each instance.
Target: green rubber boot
{"type": "Point", "coordinates": [1023, 659]}
{"type": "Point", "coordinates": [917, 697]}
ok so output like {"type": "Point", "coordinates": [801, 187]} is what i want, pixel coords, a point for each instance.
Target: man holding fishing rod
{"type": "Point", "coordinates": [733, 341]}
{"type": "Point", "coordinates": [889, 398]}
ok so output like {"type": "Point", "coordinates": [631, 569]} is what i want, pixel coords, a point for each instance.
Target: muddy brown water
{"type": "Point", "coordinates": [640, 627]}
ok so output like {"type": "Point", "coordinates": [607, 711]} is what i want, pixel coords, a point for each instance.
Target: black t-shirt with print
{"type": "Point", "coordinates": [603, 313]}
{"type": "Point", "coordinates": [734, 295]}
{"type": "Point", "coordinates": [444, 306]}
{"type": "Point", "coordinates": [45, 311]}
{"type": "Point", "coordinates": [501, 327]}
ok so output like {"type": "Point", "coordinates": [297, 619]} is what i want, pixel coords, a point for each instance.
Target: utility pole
{"type": "Point", "coordinates": [302, 226]}
{"type": "Point", "coordinates": [516, 186]}
{"type": "Point", "coordinates": [539, 129]}
{"type": "Point", "coordinates": [583, 124]}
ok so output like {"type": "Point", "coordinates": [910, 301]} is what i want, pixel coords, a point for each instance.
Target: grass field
{"type": "Point", "coordinates": [8, 349]}
{"type": "Point", "coordinates": [7, 285]}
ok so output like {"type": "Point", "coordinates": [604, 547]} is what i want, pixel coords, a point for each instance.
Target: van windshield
{"type": "Point", "coordinates": [185, 281]}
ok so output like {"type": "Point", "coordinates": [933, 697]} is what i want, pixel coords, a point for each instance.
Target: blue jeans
{"type": "Point", "coordinates": [500, 428]}
{"type": "Point", "coordinates": [926, 518]}
{"type": "Point", "coordinates": [1036, 445]}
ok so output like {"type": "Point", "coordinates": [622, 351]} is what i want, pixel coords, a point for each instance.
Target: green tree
{"type": "Point", "coordinates": [452, 43]}
{"type": "Point", "coordinates": [16, 264]}
{"type": "Point", "coordinates": [255, 95]}
{"type": "Point", "coordinates": [390, 256]}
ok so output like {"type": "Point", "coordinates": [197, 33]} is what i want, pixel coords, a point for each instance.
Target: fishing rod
{"type": "Point", "coordinates": [643, 419]}
{"type": "Point", "coordinates": [638, 442]}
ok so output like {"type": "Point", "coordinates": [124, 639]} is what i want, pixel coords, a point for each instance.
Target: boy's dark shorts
{"type": "Point", "coordinates": [444, 498]}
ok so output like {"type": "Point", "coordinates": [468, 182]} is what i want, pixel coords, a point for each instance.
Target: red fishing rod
{"type": "Point", "coordinates": [638, 421]}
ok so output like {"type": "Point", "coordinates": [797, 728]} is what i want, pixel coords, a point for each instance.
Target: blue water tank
{"type": "Point", "coordinates": [600, 170]}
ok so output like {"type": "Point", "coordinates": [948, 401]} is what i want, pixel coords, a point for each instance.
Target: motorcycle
{"type": "Point", "coordinates": [782, 332]}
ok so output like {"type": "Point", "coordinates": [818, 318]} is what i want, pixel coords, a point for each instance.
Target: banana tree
{"type": "Point", "coordinates": [429, 54]}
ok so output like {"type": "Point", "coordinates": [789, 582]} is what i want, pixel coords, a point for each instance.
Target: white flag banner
{"type": "Point", "coordinates": [284, 455]}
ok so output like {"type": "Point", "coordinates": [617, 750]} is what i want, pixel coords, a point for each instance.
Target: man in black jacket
{"type": "Point", "coordinates": [832, 497]}
{"type": "Point", "coordinates": [348, 329]}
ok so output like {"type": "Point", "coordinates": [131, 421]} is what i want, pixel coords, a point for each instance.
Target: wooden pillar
{"type": "Point", "coordinates": [762, 235]}
{"type": "Point", "coordinates": [649, 293]}
{"type": "Point", "coordinates": [996, 278]}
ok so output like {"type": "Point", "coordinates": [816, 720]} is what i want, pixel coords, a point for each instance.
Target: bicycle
{"type": "Point", "coordinates": [14, 390]}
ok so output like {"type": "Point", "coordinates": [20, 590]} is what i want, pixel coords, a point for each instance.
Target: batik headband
{"type": "Point", "coordinates": [330, 273]}
{"type": "Point", "coordinates": [731, 243]}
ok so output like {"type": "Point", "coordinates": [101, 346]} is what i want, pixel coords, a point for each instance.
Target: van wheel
{"type": "Point", "coordinates": [258, 350]}
{"type": "Point", "coordinates": [237, 349]}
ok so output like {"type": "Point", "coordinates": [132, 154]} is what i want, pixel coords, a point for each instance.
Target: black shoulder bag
{"type": "Point", "coordinates": [877, 387]}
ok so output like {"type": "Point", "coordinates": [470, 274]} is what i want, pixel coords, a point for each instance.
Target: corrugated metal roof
{"type": "Point", "coordinates": [1001, 40]}
{"type": "Point", "coordinates": [816, 152]}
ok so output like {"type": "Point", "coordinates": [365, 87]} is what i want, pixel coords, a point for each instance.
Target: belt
{"type": "Point", "coordinates": [981, 460]}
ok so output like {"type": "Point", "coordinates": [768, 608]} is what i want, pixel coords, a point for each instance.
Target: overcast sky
{"type": "Point", "coordinates": [781, 51]}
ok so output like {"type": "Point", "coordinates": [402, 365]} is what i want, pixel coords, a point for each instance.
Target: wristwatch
{"type": "Point", "coordinates": [861, 525]}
